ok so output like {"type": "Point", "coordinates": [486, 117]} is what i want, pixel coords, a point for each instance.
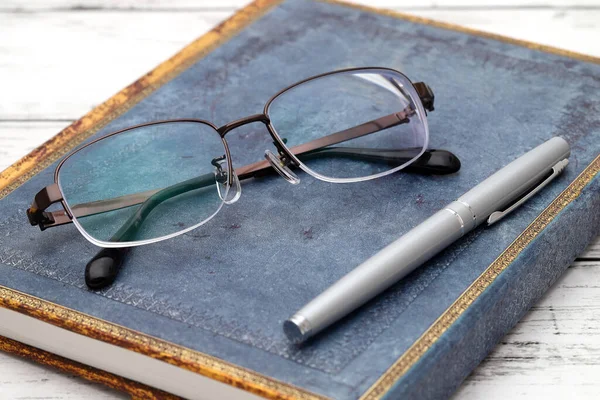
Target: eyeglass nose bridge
{"type": "Point", "coordinates": [278, 162]}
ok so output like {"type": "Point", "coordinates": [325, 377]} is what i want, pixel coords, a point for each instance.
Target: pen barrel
{"type": "Point", "coordinates": [427, 239]}
{"type": "Point", "coordinates": [379, 272]}
{"type": "Point", "coordinates": [516, 178]}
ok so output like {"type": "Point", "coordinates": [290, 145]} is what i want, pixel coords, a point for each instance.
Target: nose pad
{"type": "Point", "coordinates": [232, 193]}
{"type": "Point", "coordinates": [281, 168]}
{"type": "Point", "coordinates": [228, 193]}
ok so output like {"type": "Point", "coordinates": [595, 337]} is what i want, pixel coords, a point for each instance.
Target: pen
{"type": "Point", "coordinates": [489, 201]}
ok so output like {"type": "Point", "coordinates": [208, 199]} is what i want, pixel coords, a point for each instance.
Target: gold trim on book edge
{"type": "Point", "coordinates": [163, 350]}
{"type": "Point", "coordinates": [135, 389]}
{"type": "Point", "coordinates": [217, 369]}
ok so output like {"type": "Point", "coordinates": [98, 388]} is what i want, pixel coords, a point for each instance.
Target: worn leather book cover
{"type": "Point", "coordinates": [213, 301]}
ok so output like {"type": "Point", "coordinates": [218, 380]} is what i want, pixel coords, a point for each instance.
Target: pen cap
{"type": "Point", "coordinates": [512, 181]}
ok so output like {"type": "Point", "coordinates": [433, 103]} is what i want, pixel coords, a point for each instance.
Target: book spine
{"type": "Point", "coordinates": [504, 302]}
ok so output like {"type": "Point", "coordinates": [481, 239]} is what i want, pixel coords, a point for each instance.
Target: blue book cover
{"type": "Point", "coordinates": [213, 301]}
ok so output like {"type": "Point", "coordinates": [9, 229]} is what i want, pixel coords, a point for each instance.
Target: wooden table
{"type": "Point", "coordinates": [59, 58]}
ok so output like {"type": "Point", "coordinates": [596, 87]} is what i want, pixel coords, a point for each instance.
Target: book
{"type": "Point", "coordinates": [200, 315]}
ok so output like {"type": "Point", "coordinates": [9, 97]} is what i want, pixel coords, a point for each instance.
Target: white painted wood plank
{"type": "Point", "coordinates": [61, 65]}
{"type": "Point", "coordinates": [567, 29]}
{"type": "Point", "coordinates": [19, 138]}
{"type": "Point", "coordinates": [22, 379]}
{"type": "Point", "coordinates": [91, 5]}
{"type": "Point", "coordinates": [593, 250]}
{"type": "Point", "coordinates": [47, 5]}
{"type": "Point", "coordinates": [60, 75]}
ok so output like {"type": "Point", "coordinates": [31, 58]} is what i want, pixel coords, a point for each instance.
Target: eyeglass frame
{"type": "Point", "coordinates": [38, 216]}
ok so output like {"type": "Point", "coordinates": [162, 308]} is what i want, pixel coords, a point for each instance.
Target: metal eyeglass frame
{"type": "Point", "coordinates": [426, 161]}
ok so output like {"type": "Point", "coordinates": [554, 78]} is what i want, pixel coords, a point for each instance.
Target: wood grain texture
{"type": "Point", "coordinates": [52, 71]}
{"type": "Point", "coordinates": [593, 250]}
{"type": "Point", "coordinates": [24, 379]}
{"type": "Point", "coordinates": [161, 5]}
{"type": "Point", "coordinates": [18, 138]}
{"type": "Point", "coordinates": [45, 71]}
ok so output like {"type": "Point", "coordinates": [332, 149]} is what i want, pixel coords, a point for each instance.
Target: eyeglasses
{"type": "Point", "coordinates": [154, 181]}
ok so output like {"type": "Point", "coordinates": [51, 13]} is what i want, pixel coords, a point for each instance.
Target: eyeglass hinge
{"type": "Point", "coordinates": [36, 214]}
{"type": "Point", "coordinates": [425, 94]}
{"type": "Point", "coordinates": [39, 217]}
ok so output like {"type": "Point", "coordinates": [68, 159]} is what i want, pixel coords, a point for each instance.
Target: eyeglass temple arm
{"type": "Point", "coordinates": [130, 227]}
{"type": "Point", "coordinates": [103, 268]}
{"type": "Point", "coordinates": [37, 213]}
{"type": "Point", "coordinates": [128, 230]}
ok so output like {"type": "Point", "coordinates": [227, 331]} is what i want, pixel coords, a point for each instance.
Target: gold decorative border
{"type": "Point", "coordinates": [163, 350]}
{"type": "Point", "coordinates": [206, 365]}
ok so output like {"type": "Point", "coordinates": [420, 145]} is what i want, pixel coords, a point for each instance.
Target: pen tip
{"type": "Point", "coordinates": [297, 329]}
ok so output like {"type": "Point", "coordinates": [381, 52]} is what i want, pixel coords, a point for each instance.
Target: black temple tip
{"type": "Point", "coordinates": [436, 162]}
{"type": "Point", "coordinates": [102, 270]}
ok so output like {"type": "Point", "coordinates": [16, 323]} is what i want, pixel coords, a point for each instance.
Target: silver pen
{"type": "Point", "coordinates": [489, 201]}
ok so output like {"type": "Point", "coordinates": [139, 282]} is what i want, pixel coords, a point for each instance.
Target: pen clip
{"type": "Point", "coordinates": [556, 170]}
